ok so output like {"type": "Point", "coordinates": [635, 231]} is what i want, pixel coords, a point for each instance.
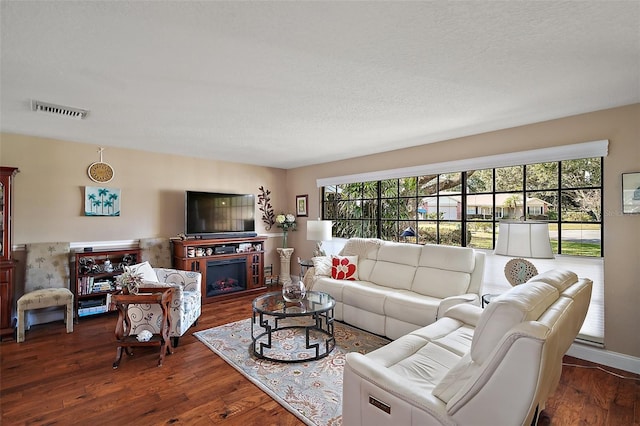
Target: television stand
{"type": "Point", "coordinates": [201, 254]}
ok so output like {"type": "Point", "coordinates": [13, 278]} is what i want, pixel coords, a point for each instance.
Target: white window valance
{"type": "Point", "coordinates": [542, 155]}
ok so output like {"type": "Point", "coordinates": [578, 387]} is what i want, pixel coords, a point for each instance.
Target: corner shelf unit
{"type": "Point", "coordinates": [198, 254]}
{"type": "Point", "coordinates": [94, 275]}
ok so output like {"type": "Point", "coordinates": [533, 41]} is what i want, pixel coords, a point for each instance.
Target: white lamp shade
{"type": "Point", "coordinates": [319, 230]}
{"type": "Point", "coordinates": [524, 239]}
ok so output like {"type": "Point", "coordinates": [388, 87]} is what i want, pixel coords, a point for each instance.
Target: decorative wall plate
{"type": "Point", "coordinates": [519, 271]}
{"type": "Point", "coordinates": [100, 171]}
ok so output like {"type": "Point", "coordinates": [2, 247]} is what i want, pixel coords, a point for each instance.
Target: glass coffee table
{"type": "Point", "coordinates": [292, 331]}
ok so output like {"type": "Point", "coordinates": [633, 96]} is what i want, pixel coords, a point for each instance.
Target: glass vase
{"type": "Point", "coordinates": [293, 291]}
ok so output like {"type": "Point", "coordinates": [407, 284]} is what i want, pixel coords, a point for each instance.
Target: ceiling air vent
{"type": "Point", "coordinates": [59, 110]}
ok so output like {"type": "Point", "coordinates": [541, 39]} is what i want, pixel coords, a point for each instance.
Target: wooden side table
{"type": "Point", "coordinates": [146, 295]}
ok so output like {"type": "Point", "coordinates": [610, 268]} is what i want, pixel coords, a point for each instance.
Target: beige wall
{"type": "Point", "coordinates": [621, 126]}
{"type": "Point", "coordinates": [49, 190]}
{"type": "Point", "coordinates": [48, 203]}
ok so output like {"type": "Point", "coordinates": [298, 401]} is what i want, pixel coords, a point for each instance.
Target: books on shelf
{"type": "Point", "coordinates": [83, 312]}
{"type": "Point", "coordinates": [99, 286]}
{"type": "Point", "coordinates": [88, 285]}
{"type": "Point", "coordinates": [91, 307]}
{"type": "Point", "coordinates": [95, 278]}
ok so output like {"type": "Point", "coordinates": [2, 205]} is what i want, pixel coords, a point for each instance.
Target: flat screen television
{"type": "Point", "coordinates": [218, 215]}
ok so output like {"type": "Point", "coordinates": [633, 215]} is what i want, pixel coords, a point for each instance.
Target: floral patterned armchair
{"type": "Point", "coordinates": [185, 306]}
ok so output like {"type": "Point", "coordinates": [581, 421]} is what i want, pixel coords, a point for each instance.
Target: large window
{"type": "Point", "coordinates": [464, 208]}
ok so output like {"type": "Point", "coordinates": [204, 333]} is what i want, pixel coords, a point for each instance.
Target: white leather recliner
{"type": "Point", "coordinates": [495, 366]}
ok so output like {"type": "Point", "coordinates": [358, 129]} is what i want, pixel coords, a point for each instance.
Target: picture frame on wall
{"type": "Point", "coordinates": [301, 205]}
{"type": "Point", "coordinates": [101, 201]}
{"type": "Point", "coordinates": [631, 193]}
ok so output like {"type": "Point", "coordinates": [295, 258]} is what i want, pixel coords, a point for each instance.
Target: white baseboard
{"type": "Point", "coordinates": [604, 357]}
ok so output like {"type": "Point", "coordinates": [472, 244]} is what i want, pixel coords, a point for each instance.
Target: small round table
{"type": "Point", "coordinates": [292, 331]}
{"type": "Point", "coordinates": [487, 298]}
{"type": "Point", "coordinates": [304, 266]}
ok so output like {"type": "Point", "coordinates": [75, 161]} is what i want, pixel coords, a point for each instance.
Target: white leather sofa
{"type": "Point", "coordinates": [400, 287]}
{"type": "Point", "coordinates": [495, 366]}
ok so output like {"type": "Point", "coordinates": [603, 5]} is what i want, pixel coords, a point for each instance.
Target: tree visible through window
{"type": "Point", "coordinates": [464, 208]}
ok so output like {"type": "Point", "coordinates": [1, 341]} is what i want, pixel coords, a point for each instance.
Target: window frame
{"type": "Point", "coordinates": [443, 222]}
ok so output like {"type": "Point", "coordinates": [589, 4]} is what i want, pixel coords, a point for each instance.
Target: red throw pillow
{"type": "Point", "coordinates": [344, 267]}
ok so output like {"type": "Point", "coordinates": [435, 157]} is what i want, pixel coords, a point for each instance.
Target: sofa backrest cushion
{"type": "Point", "coordinates": [396, 265]}
{"type": "Point", "coordinates": [561, 279]}
{"type": "Point", "coordinates": [367, 251]}
{"type": "Point", "coordinates": [460, 259]}
{"type": "Point", "coordinates": [525, 302]}
{"type": "Point", "coordinates": [444, 271]}
{"type": "Point", "coordinates": [440, 283]}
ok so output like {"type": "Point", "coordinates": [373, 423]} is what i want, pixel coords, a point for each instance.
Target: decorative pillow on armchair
{"type": "Point", "coordinates": [144, 269]}
{"type": "Point", "coordinates": [344, 267]}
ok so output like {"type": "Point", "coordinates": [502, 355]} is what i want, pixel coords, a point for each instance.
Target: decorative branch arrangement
{"type": "Point", "coordinates": [264, 201]}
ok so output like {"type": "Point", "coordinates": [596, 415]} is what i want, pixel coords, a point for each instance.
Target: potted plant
{"type": "Point", "coordinates": [129, 282]}
{"type": "Point", "coordinates": [288, 223]}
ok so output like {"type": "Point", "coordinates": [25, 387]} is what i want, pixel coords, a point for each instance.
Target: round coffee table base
{"type": "Point", "coordinates": [292, 332]}
{"type": "Point", "coordinates": [318, 343]}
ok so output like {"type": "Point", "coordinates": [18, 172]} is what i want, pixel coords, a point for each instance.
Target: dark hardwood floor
{"type": "Point", "coordinates": [54, 378]}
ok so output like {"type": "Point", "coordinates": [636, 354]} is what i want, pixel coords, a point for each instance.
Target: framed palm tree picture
{"type": "Point", "coordinates": [101, 201]}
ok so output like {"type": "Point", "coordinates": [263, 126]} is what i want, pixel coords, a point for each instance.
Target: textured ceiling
{"type": "Point", "coordinates": [288, 84]}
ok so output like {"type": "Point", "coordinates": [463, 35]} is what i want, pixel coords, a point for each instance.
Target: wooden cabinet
{"type": "Point", "coordinates": [94, 277]}
{"type": "Point", "coordinates": [230, 267]}
{"type": "Point", "coordinates": [7, 264]}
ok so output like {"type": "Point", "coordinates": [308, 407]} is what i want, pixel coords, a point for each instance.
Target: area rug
{"type": "Point", "coordinates": [311, 390]}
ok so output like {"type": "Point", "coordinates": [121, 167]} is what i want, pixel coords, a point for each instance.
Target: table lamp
{"type": "Point", "coordinates": [522, 239]}
{"type": "Point", "coordinates": [319, 231]}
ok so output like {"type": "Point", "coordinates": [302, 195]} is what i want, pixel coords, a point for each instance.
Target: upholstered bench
{"type": "Point", "coordinates": [45, 298]}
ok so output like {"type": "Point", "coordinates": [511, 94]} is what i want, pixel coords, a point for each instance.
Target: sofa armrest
{"type": "Point", "coordinates": [470, 298]}
{"type": "Point", "coordinates": [375, 373]}
{"type": "Point", "coordinates": [466, 313]}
